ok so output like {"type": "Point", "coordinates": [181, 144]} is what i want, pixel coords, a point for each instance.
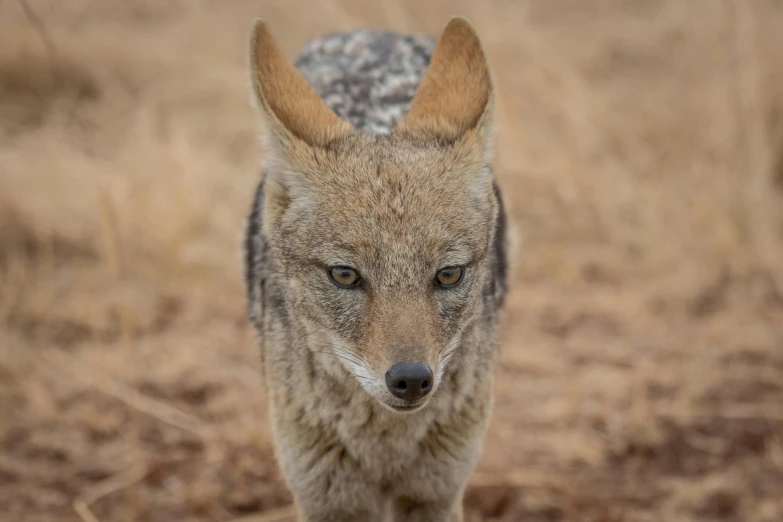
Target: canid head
{"type": "Point", "coordinates": [381, 243]}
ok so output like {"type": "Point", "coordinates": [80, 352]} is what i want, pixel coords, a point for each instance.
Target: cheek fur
{"type": "Point", "coordinates": [456, 304]}
{"type": "Point", "coordinates": [332, 308]}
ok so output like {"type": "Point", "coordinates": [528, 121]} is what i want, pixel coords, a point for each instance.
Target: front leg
{"type": "Point", "coordinates": [445, 510]}
{"type": "Point", "coordinates": [310, 514]}
{"type": "Point", "coordinates": [328, 486]}
{"type": "Point", "coordinates": [330, 495]}
{"type": "Point", "coordinates": [433, 489]}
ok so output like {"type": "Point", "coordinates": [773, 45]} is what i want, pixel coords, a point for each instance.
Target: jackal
{"type": "Point", "coordinates": [376, 269]}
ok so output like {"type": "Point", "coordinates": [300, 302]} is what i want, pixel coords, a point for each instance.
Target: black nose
{"type": "Point", "coordinates": [409, 381]}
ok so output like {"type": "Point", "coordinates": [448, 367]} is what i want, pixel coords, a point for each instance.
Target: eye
{"type": "Point", "coordinates": [450, 276]}
{"type": "Point", "coordinates": [343, 276]}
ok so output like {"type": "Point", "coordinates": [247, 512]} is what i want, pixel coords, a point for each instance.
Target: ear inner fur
{"type": "Point", "coordinates": [290, 102]}
{"type": "Point", "coordinates": [455, 95]}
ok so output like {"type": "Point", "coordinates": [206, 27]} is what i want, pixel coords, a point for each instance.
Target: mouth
{"type": "Point", "coordinates": [408, 408]}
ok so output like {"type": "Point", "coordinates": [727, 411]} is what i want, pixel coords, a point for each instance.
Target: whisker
{"type": "Point", "coordinates": [302, 337]}
{"type": "Point", "coordinates": [348, 354]}
{"type": "Point", "coordinates": [370, 397]}
{"type": "Point", "coordinates": [446, 352]}
{"type": "Point", "coordinates": [340, 356]}
{"type": "Point", "coordinates": [451, 346]}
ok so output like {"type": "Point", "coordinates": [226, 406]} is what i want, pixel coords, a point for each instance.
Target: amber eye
{"type": "Point", "coordinates": [450, 276]}
{"type": "Point", "coordinates": [344, 276]}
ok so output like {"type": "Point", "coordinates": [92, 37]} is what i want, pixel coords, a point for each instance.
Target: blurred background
{"type": "Point", "coordinates": [639, 149]}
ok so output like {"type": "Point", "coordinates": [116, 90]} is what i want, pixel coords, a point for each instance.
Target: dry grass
{"type": "Point", "coordinates": [641, 151]}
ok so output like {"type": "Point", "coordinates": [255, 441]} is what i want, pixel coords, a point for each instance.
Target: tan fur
{"type": "Point", "coordinates": [456, 92]}
{"type": "Point", "coordinates": [294, 108]}
{"type": "Point", "coordinates": [397, 208]}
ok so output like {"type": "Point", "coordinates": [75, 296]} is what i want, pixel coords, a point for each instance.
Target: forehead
{"type": "Point", "coordinates": [384, 195]}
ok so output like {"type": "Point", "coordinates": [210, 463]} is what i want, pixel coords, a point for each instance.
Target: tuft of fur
{"type": "Point", "coordinates": [363, 173]}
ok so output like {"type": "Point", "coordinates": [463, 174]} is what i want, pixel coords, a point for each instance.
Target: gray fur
{"type": "Point", "coordinates": [367, 77]}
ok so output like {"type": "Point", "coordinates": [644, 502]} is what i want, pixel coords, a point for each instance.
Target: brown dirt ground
{"type": "Point", "coordinates": [641, 376]}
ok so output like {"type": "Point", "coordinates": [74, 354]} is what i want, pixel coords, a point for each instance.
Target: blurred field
{"type": "Point", "coordinates": [639, 148]}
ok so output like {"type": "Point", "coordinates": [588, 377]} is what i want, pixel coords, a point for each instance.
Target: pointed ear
{"type": "Point", "coordinates": [455, 95]}
{"type": "Point", "coordinates": [292, 107]}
